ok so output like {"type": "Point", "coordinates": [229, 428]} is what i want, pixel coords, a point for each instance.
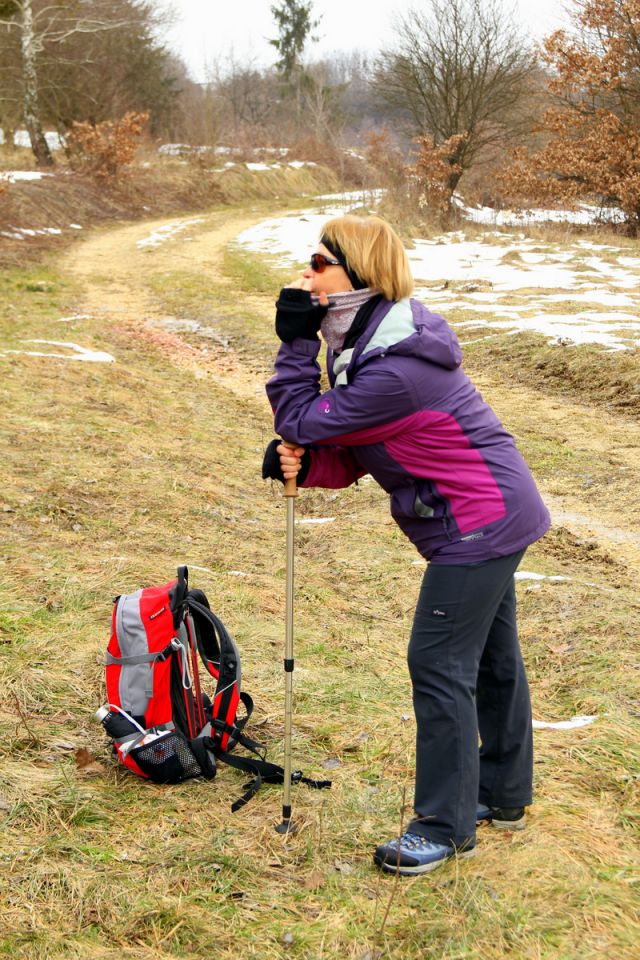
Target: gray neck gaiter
{"type": "Point", "coordinates": [341, 313]}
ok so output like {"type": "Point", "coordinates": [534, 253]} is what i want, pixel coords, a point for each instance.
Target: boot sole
{"type": "Point", "coordinates": [519, 824]}
{"type": "Point", "coordinates": [423, 868]}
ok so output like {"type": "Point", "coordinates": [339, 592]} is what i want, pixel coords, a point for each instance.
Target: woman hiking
{"type": "Point", "coordinates": [401, 409]}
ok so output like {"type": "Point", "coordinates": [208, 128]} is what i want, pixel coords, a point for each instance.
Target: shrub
{"type": "Point", "coordinates": [102, 150]}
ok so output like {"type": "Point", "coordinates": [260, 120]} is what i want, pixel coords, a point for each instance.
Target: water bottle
{"type": "Point", "coordinates": [116, 725]}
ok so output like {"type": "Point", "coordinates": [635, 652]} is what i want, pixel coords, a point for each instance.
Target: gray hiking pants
{"type": "Point", "coordinates": [468, 678]}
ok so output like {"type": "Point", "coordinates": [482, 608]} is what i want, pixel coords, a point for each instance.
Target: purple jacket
{"type": "Point", "coordinates": [402, 409]}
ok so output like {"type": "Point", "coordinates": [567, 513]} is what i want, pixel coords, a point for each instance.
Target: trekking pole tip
{"type": "Point", "coordinates": [287, 826]}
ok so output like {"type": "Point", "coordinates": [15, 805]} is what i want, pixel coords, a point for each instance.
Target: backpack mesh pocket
{"type": "Point", "coordinates": [167, 759]}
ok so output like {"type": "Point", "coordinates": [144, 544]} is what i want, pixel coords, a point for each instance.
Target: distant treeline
{"type": "Point", "coordinates": [457, 93]}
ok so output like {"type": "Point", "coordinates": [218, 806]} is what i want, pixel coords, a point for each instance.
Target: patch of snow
{"type": "Point", "coordinates": [622, 278]}
{"type": "Point", "coordinates": [352, 197]}
{"type": "Point", "coordinates": [80, 353]}
{"type": "Point", "coordinates": [174, 149]}
{"type": "Point", "coordinates": [20, 233]}
{"type": "Point", "coordinates": [473, 260]}
{"type": "Point", "coordinates": [167, 232]}
{"type": "Point", "coordinates": [261, 166]}
{"type": "Point", "coordinates": [297, 164]}
{"type": "Point", "coordinates": [11, 176]}
{"type": "Point", "coordinates": [583, 214]}
{"type": "Point", "coordinates": [77, 316]}
{"type": "Point", "coordinates": [564, 724]}
{"type": "Point", "coordinates": [607, 298]}
{"type": "Point", "coordinates": [481, 276]}
{"type": "Point", "coordinates": [75, 226]}
{"type": "Point", "coordinates": [21, 139]}
{"type": "Point", "coordinates": [575, 328]}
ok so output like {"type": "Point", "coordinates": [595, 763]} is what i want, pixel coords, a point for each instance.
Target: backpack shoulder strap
{"type": "Point", "coordinates": [222, 659]}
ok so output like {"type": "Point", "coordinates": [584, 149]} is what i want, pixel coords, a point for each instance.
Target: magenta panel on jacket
{"type": "Point", "coordinates": [434, 446]}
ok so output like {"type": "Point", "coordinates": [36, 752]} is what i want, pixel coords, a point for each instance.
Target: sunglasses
{"type": "Point", "coordinates": [319, 263]}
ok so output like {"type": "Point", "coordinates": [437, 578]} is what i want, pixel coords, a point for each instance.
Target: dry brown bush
{"type": "Point", "coordinates": [104, 149]}
{"type": "Point", "coordinates": [438, 170]}
{"type": "Point", "coordinates": [593, 132]}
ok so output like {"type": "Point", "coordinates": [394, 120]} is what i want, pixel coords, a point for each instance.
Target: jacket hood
{"type": "Point", "coordinates": [407, 328]}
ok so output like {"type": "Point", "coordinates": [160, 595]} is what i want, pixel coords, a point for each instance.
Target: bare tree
{"type": "Point", "coordinates": [41, 23]}
{"type": "Point", "coordinates": [458, 73]}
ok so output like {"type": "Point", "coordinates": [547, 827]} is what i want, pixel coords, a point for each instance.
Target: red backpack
{"type": "Point", "coordinates": [163, 726]}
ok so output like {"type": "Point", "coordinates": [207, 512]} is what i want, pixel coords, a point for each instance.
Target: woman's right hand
{"type": "Point", "coordinates": [283, 463]}
{"type": "Point", "coordinates": [290, 458]}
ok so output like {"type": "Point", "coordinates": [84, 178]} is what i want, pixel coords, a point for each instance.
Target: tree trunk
{"type": "Point", "coordinates": [31, 105]}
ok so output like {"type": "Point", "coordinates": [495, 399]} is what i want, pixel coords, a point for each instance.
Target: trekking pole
{"type": "Point", "coordinates": [290, 493]}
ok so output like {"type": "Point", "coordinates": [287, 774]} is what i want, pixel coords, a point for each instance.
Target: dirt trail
{"type": "Point", "coordinates": [593, 491]}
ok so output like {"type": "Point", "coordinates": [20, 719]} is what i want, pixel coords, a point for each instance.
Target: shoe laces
{"type": "Point", "coordinates": [413, 841]}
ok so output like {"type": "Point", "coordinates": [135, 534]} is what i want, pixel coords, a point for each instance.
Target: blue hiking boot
{"type": "Point", "coordinates": [413, 854]}
{"type": "Point", "coordinates": [504, 818]}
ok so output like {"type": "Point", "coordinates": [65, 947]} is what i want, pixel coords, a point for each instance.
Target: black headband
{"type": "Point", "coordinates": [336, 250]}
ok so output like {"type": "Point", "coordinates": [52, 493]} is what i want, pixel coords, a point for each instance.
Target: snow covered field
{"type": "Point", "coordinates": [496, 285]}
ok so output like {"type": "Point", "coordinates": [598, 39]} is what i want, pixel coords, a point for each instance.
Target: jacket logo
{"type": "Point", "coordinates": [157, 613]}
{"type": "Point", "coordinates": [438, 613]}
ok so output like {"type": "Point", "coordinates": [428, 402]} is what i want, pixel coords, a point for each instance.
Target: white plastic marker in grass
{"type": "Point", "coordinates": [315, 520]}
{"type": "Point", "coordinates": [563, 724]}
{"type": "Point", "coordinates": [526, 575]}
{"type": "Point", "coordinates": [80, 353]}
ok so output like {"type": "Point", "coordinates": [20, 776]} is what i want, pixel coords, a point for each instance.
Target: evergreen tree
{"type": "Point", "coordinates": [295, 25]}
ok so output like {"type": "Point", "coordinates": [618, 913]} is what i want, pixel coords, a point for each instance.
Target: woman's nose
{"type": "Point", "coordinates": [308, 273]}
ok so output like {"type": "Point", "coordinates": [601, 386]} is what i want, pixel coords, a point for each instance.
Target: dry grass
{"type": "Point", "coordinates": [116, 473]}
{"type": "Point", "coordinates": [157, 187]}
{"type": "Point", "coordinates": [610, 380]}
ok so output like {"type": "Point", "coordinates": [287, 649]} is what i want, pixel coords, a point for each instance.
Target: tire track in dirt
{"type": "Point", "coordinates": [595, 498]}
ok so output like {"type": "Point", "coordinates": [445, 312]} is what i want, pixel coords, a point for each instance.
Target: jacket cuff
{"type": "Point", "coordinates": [307, 348]}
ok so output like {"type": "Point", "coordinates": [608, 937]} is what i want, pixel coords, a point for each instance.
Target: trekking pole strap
{"type": "Point", "coordinates": [264, 772]}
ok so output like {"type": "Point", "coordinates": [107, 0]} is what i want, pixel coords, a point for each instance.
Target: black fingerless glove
{"type": "Point", "coordinates": [271, 469]}
{"type": "Point", "coordinates": [297, 316]}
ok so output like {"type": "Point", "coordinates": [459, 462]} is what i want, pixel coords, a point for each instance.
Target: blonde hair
{"type": "Point", "coordinates": [374, 251]}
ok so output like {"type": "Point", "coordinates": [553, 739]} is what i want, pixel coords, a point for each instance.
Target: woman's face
{"type": "Point", "coordinates": [333, 278]}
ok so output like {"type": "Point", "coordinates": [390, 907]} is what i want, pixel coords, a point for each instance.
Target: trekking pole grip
{"type": "Point", "coordinates": [290, 486]}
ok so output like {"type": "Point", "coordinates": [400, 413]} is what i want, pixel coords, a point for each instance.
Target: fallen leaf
{"type": "Point", "coordinates": [87, 763]}
{"type": "Point", "coordinates": [343, 867]}
{"type": "Point", "coordinates": [83, 757]}
{"type": "Point", "coordinates": [314, 880]}
{"type": "Point", "coordinates": [559, 648]}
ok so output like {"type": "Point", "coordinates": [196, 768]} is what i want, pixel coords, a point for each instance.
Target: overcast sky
{"type": "Point", "coordinates": [208, 30]}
